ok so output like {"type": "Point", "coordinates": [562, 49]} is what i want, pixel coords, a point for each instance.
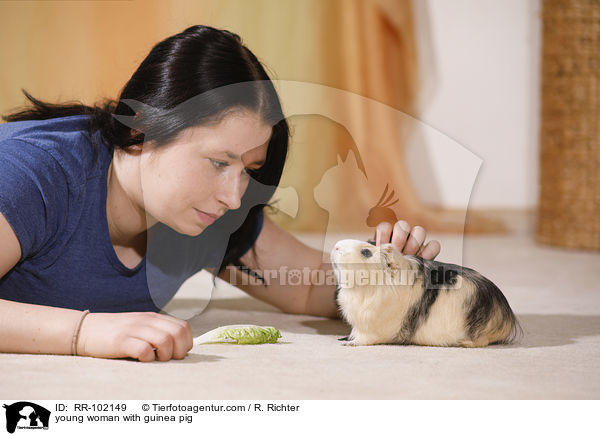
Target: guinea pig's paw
{"type": "Point", "coordinates": [353, 343]}
{"type": "Point", "coordinates": [467, 343]}
{"type": "Point", "coordinates": [345, 338]}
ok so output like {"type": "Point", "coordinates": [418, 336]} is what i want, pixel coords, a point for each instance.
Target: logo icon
{"type": "Point", "coordinates": [26, 415]}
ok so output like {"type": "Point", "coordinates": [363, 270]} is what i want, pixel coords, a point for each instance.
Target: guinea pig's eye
{"type": "Point", "coordinates": [366, 252]}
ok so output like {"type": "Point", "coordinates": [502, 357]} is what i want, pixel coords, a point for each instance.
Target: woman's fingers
{"type": "Point", "coordinates": [415, 240]}
{"type": "Point", "coordinates": [406, 240]}
{"type": "Point", "coordinates": [182, 335]}
{"type": "Point", "coordinates": [137, 349]}
{"type": "Point", "coordinates": [184, 332]}
{"type": "Point", "coordinates": [160, 337]}
{"type": "Point", "coordinates": [400, 234]}
{"type": "Point", "coordinates": [383, 233]}
{"type": "Point", "coordinates": [430, 250]}
{"type": "Point", "coordinates": [170, 337]}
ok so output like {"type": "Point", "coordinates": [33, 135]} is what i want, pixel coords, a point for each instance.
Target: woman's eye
{"type": "Point", "coordinates": [218, 164]}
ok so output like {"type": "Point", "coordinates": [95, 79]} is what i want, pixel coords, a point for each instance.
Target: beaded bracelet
{"type": "Point", "coordinates": [76, 333]}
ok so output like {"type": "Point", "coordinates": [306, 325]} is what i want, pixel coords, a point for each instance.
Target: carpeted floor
{"type": "Point", "coordinates": [555, 293]}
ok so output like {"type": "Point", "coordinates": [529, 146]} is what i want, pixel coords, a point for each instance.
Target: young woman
{"type": "Point", "coordinates": [85, 192]}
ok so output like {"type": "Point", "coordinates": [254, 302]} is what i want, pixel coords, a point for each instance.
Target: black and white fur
{"type": "Point", "coordinates": [445, 304]}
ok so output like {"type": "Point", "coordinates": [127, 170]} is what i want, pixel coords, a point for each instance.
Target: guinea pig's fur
{"type": "Point", "coordinates": [417, 301]}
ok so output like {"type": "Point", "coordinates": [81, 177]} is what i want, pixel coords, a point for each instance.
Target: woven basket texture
{"type": "Point", "coordinates": [569, 202]}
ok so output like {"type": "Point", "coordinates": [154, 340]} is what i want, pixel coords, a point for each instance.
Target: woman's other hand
{"type": "Point", "coordinates": [406, 240]}
{"type": "Point", "coordinates": [145, 336]}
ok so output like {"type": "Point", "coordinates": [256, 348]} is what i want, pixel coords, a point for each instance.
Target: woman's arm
{"type": "Point", "coordinates": [278, 253]}
{"type": "Point", "coordinates": [28, 328]}
{"type": "Point", "coordinates": [32, 328]}
{"type": "Point", "coordinates": [281, 256]}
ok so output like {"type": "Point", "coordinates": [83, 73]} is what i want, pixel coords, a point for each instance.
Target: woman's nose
{"type": "Point", "coordinates": [230, 194]}
{"type": "Point", "coordinates": [231, 199]}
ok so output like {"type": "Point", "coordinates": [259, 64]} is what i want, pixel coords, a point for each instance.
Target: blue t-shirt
{"type": "Point", "coordinates": [53, 194]}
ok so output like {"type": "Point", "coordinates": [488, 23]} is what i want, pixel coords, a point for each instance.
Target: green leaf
{"type": "Point", "coordinates": [240, 334]}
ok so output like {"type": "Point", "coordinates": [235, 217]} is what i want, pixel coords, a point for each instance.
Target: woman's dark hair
{"type": "Point", "coordinates": [206, 66]}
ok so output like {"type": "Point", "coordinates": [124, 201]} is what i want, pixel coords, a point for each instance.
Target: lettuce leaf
{"type": "Point", "coordinates": [240, 334]}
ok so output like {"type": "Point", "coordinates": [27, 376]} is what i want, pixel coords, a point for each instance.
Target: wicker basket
{"type": "Point", "coordinates": [569, 203]}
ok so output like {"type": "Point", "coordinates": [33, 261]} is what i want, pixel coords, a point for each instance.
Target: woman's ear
{"type": "Point", "coordinates": [136, 148]}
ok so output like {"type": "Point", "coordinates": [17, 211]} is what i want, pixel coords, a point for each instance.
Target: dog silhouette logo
{"type": "Point", "coordinates": [26, 415]}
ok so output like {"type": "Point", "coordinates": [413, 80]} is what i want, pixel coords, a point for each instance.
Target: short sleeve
{"type": "Point", "coordinates": [33, 193]}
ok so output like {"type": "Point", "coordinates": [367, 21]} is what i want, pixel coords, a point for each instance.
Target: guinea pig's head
{"type": "Point", "coordinates": [353, 255]}
{"type": "Point", "coordinates": [361, 265]}
{"type": "Point", "coordinates": [350, 254]}
{"type": "Point", "coordinates": [351, 251]}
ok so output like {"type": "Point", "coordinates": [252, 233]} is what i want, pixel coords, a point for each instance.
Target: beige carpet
{"type": "Point", "coordinates": [555, 293]}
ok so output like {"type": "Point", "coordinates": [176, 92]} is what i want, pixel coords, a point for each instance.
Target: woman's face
{"type": "Point", "coordinates": [202, 172]}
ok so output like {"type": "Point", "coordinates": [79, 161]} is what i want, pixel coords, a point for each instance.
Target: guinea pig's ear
{"type": "Point", "coordinates": [387, 257]}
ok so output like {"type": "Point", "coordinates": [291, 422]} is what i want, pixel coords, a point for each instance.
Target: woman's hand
{"type": "Point", "coordinates": [406, 240]}
{"type": "Point", "coordinates": [136, 335]}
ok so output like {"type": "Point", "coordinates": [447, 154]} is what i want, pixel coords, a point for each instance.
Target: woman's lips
{"type": "Point", "coordinates": [205, 217]}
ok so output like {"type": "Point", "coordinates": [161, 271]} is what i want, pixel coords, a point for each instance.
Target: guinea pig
{"type": "Point", "coordinates": [391, 298]}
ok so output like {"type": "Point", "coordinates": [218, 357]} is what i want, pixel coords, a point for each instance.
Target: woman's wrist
{"type": "Point", "coordinates": [76, 331]}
